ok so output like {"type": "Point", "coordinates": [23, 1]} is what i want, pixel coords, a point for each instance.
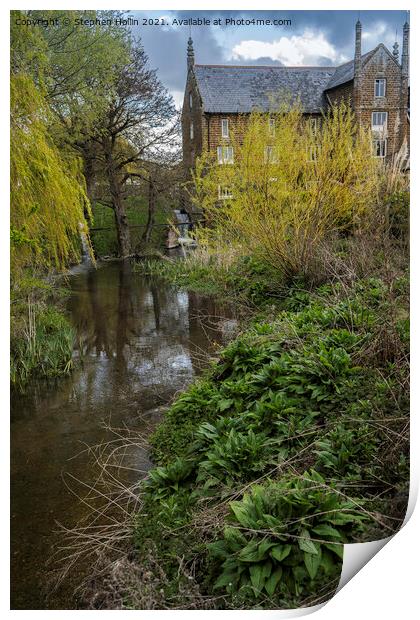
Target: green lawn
{"type": "Point", "coordinates": [105, 241]}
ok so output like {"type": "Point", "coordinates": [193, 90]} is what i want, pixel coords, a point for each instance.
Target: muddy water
{"type": "Point", "coordinates": [138, 342]}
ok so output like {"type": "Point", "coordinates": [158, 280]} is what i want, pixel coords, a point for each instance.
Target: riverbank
{"type": "Point", "coordinates": [42, 337]}
{"type": "Point", "coordinates": [294, 442]}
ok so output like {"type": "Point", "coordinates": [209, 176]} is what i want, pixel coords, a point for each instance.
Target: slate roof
{"type": "Point", "coordinates": [345, 73]}
{"type": "Point", "coordinates": [236, 89]}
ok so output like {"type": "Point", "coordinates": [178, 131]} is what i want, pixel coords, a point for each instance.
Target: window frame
{"type": "Point", "coordinates": [191, 130]}
{"type": "Point", "coordinates": [270, 155]}
{"type": "Point", "coordinates": [384, 126]}
{"type": "Point", "coordinates": [315, 124]}
{"type": "Point", "coordinates": [378, 141]}
{"type": "Point", "coordinates": [190, 100]}
{"type": "Point", "coordinates": [224, 193]}
{"type": "Point", "coordinates": [223, 155]}
{"type": "Point", "coordinates": [225, 123]}
{"type": "Point", "coordinates": [377, 81]}
{"type": "Point", "coordinates": [313, 152]}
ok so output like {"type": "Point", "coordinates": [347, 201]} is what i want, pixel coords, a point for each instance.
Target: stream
{"type": "Point", "coordinates": [139, 341]}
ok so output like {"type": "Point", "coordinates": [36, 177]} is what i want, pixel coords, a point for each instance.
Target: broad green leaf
{"type": "Point", "coordinates": [225, 579]}
{"type": "Point", "coordinates": [255, 552]}
{"type": "Point", "coordinates": [337, 549]}
{"type": "Point", "coordinates": [225, 403]}
{"type": "Point", "coordinates": [258, 577]}
{"type": "Point", "coordinates": [271, 521]}
{"type": "Point", "coordinates": [279, 552]}
{"type": "Point", "coordinates": [273, 580]}
{"type": "Point", "coordinates": [326, 530]}
{"type": "Point", "coordinates": [312, 563]}
{"type": "Point", "coordinates": [235, 538]}
{"type": "Point", "coordinates": [218, 549]}
{"type": "Point", "coordinates": [305, 543]}
{"type": "Point", "coordinates": [241, 514]}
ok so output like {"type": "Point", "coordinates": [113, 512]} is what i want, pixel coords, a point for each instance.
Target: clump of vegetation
{"type": "Point", "coordinates": [284, 451]}
{"type": "Point", "coordinates": [289, 193]}
{"type": "Point", "coordinates": [41, 337]}
{"type": "Point", "coordinates": [283, 535]}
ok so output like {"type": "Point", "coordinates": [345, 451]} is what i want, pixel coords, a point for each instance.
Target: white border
{"type": "Point", "coordinates": [387, 587]}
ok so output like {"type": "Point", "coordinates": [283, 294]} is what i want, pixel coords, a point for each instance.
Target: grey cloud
{"type": "Point", "coordinates": [166, 48]}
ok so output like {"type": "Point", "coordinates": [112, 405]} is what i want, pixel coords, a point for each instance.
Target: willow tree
{"type": "Point", "coordinates": [48, 198]}
{"type": "Point", "coordinates": [293, 184]}
{"type": "Point", "coordinates": [83, 67]}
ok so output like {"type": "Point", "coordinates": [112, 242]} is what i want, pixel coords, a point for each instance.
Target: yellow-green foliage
{"type": "Point", "coordinates": [47, 193]}
{"type": "Point", "coordinates": [292, 188]}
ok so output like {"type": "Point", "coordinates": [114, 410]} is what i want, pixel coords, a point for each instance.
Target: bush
{"type": "Point", "coordinates": [283, 535]}
{"type": "Point", "coordinates": [287, 207]}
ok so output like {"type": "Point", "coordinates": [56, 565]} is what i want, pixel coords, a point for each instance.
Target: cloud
{"type": "Point", "coordinates": [298, 50]}
{"type": "Point", "coordinates": [178, 96]}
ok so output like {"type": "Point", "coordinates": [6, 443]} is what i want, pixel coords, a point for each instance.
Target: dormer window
{"type": "Point", "coordinates": [225, 128]}
{"type": "Point", "coordinates": [380, 87]}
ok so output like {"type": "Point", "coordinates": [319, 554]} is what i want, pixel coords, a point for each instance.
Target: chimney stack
{"type": "Point", "coordinates": [358, 50]}
{"type": "Point", "coordinates": [357, 71]}
{"type": "Point", "coordinates": [404, 57]}
{"type": "Point", "coordinates": [190, 54]}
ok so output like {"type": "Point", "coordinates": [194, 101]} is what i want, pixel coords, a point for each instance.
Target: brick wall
{"type": "Point", "coordinates": [343, 92]}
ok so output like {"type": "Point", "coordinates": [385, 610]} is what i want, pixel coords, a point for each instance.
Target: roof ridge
{"type": "Point", "coordinates": [268, 66]}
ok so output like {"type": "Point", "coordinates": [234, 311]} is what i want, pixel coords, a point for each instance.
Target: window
{"type": "Point", "coordinates": [379, 148]}
{"type": "Point", "coordinates": [224, 193]}
{"type": "Point", "coordinates": [225, 128]}
{"type": "Point", "coordinates": [380, 87]}
{"type": "Point", "coordinates": [191, 131]}
{"type": "Point", "coordinates": [379, 121]}
{"type": "Point", "coordinates": [191, 101]}
{"type": "Point", "coordinates": [313, 153]}
{"type": "Point", "coordinates": [315, 124]}
{"type": "Point", "coordinates": [225, 154]}
{"type": "Point", "coordinates": [272, 126]}
{"type": "Point", "coordinates": [270, 155]}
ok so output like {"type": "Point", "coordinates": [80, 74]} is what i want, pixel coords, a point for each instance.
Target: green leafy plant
{"type": "Point", "coordinates": [237, 456]}
{"type": "Point", "coordinates": [163, 481]}
{"type": "Point", "coordinates": [344, 451]}
{"type": "Point", "coordinates": [283, 535]}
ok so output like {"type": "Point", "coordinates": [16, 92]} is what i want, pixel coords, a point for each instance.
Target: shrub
{"type": "Point", "coordinates": [287, 206]}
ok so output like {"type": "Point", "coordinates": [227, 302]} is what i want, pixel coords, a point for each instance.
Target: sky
{"type": "Point", "coordinates": [322, 38]}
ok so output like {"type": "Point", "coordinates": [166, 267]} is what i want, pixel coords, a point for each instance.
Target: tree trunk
{"type": "Point", "coordinates": [89, 177]}
{"type": "Point", "coordinates": [151, 211]}
{"type": "Point", "coordinates": [121, 222]}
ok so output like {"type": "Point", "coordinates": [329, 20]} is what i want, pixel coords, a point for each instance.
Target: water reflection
{"type": "Point", "coordinates": [139, 342]}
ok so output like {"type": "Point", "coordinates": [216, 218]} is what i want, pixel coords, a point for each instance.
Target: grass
{"type": "Point", "coordinates": [241, 279]}
{"type": "Point", "coordinates": [41, 336]}
{"type": "Point", "coordinates": [105, 241]}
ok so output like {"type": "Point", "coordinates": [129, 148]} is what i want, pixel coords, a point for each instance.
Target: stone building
{"type": "Point", "coordinates": [219, 98]}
